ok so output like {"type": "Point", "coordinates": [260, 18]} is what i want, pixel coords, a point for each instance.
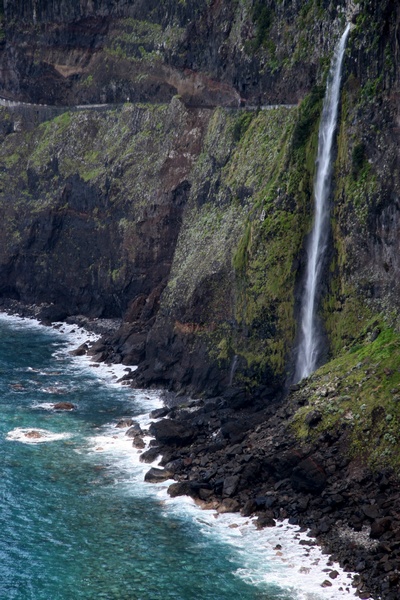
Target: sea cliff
{"type": "Point", "coordinates": [157, 165]}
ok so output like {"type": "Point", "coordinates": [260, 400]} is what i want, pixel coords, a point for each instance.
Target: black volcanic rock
{"type": "Point", "coordinates": [170, 432]}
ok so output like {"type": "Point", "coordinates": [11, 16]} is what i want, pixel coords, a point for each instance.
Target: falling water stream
{"type": "Point", "coordinates": [309, 346]}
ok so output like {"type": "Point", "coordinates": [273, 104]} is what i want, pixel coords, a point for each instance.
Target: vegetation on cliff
{"type": "Point", "coordinates": [188, 214]}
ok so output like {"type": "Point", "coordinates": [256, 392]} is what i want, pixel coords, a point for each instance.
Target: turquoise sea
{"type": "Point", "coordinates": [77, 520]}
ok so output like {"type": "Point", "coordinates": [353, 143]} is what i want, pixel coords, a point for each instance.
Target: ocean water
{"type": "Point", "coordinates": [79, 523]}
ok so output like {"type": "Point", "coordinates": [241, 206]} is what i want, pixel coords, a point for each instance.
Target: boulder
{"type": "Point", "coordinates": [228, 505]}
{"type": "Point", "coordinates": [313, 418]}
{"type": "Point", "coordinates": [64, 406]}
{"type": "Point", "coordinates": [308, 476]}
{"type": "Point", "coordinates": [138, 443]}
{"type": "Point", "coordinates": [150, 455]}
{"type": "Point", "coordinates": [80, 351]}
{"type": "Point", "coordinates": [169, 432]}
{"type": "Point", "coordinates": [157, 475]}
{"type": "Point", "coordinates": [180, 488]}
{"type": "Point", "coordinates": [34, 435]}
{"type": "Point", "coordinates": [134, 430]}
{"type": "Point", "coordinates": [230, 485]}
{"type": "Point", "coordinates": [265, 520]}
{"type": "Point", "coordinates": [249, 508]}
{"type": "Point", "coordinates": [379, 527]}
{"type": "Point", "coordinates": [159, 413]}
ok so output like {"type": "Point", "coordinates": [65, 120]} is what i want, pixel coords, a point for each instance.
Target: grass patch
{"type": "Point", "coordinates": [361, 391]}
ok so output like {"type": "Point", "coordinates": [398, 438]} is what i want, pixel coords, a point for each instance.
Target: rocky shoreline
{"type": "Point", "coordinates": [247, 459]}
{"type": "Point", "coordinates": [238, 454]}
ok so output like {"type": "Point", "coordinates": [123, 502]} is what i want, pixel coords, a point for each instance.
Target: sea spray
{"type": "Point", "coordinates": [309, 346]}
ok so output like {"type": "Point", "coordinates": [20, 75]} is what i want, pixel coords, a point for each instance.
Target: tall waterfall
{"type": "Point", "coordinates": [309, 346]}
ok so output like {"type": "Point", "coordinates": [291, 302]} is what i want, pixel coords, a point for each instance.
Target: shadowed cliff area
{"type": "Point", "coordinates": [211, 53]}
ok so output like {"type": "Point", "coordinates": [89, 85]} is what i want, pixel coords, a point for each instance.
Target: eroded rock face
{"type": "Point", "coordinates": [105, 235]}
{"type": "Point", "coordinates": [215, 53]}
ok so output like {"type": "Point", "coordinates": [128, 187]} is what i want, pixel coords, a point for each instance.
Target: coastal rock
{"type": "Point", "coordinates": [150, 455]}
{"type": "Point", "coordinates": [81, 350]}
{"type": "Point", "coordinates": [181, 488]}
{"type": "Point", "coordinates": [64, 406]}
{"type": "Point", "coordinates": [265, 520]}
{"type": "Point", "coordinates": [157, 475]}
{"type": "Point", "coordinates": [170, 432]}
{"type": "Point", "coordinates": [228, 505]}
{"type": "Point", "coordinates": [230, 485]}
{"type": "Point", "coordinates": [159, 413]}
{"type": "Point", "coordinates": [138, 443]}
{"type": "Point", "coordinates": [134, 431]}
{"type": "Point", "coordinates": [309, 476]}
{"type": "Point", "coordinates": [123, 423]}
{"type": "Point", "coordinates": [34, 435]}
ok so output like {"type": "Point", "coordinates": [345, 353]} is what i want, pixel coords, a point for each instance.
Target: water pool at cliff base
{"type": "Point", "coordinates": [77, 520]}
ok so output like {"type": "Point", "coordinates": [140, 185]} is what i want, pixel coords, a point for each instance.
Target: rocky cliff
{"type": "Point", "coordinates": [183, 202]}
{"type": "Point", "coordinates": [158, 167]}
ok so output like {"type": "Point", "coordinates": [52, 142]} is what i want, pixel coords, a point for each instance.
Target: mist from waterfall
{"type": "Point", "coordinates": [309, 346]}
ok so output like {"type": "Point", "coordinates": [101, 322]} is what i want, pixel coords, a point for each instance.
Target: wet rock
{"type": "Point", "coordinates": [228, 505]}
{"type": "Point", "coordinates": [249, 508]}
{"type": "Point", "coordinates": [265, 520]}
{"type": "Point", "coordinates": [138, 443]}
{"type": "Point", "coordinates": [134, 430]}
{"type": "Point", "coordinates": [52, 313]}
{"type": "Point", "coordinates": [80, 351]}
{"type": "Point", "coordinates": [157, 475]}
{"type": "Point", "coordinates": [181, 488]}
{"type": "Point", "coordinates": [64, 406]}
{"type": "Point", "coordinates": [159, 413]}
{"type": "Point", "coordinates": [34, 435]}
{"type": "Point", "coordinates": [123, 423]}
{"type": "Point", "coordinates": [150, 455]}
{"type": "Point", "coordinates": [333, 574]}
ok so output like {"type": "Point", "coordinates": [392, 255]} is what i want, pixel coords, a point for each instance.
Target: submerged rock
{"type": "Point", "coordinates": [123, 423]}
{"type": "Point", "coordinates": [33, 434]}
{"type": "Point", "coordinates": [64, 406]}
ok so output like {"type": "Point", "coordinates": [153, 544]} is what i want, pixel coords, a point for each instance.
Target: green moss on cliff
{"type": "Point", "coordinates": [267, 254]}
{"type": "Point", "coordinates": [360, 391]}
{"type": "Point", "coordinates": [240, 217]}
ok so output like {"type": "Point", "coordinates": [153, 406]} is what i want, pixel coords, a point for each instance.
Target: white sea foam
{"type": "Point", "coordinates": [44, 406]}
{"type": "Point", "coordinates": [272, 556]}
{"type": "Point", "coordinates": [35, 436]}
{"type": "Point", "coordinates": [21, 322]}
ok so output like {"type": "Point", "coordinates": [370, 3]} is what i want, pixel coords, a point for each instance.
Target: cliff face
{"type": "Point", "coordinates": [188, 215]}
{"type": "Point", "coordinates": [211, 53]}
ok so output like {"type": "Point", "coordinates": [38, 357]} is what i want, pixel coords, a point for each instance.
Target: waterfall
{"type": "Point", "coordinates": [309, 346]}
{"type": "Point", "coordinates": [233, 369]}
